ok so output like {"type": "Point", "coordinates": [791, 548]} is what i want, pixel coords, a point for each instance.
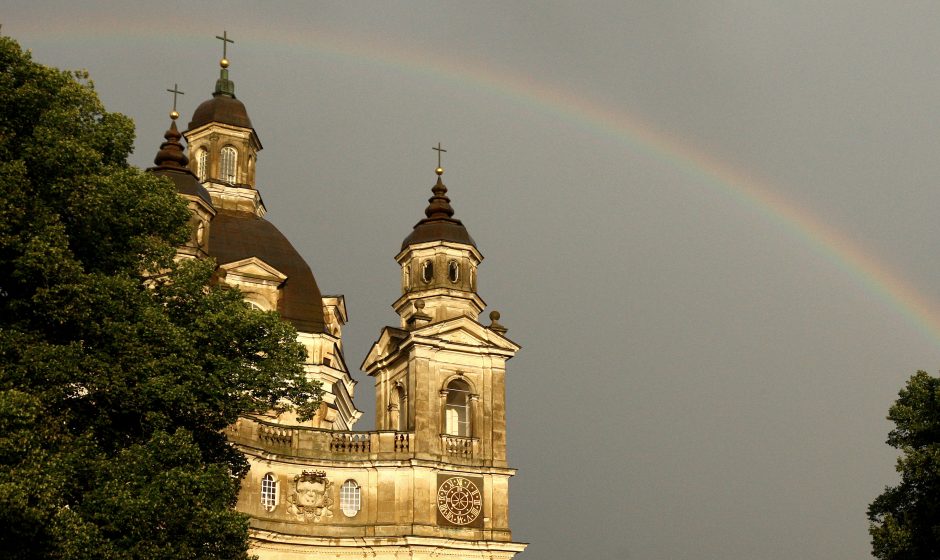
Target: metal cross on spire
{"type": "Point", "coordinates": [225, 41]}
{"type": "Point", "coordinates": [175, 91]}
{"type": "Point", "coordinates": [439, 149]}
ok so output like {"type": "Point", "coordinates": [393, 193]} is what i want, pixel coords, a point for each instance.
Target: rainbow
{"type": "Point", "coordinates": [862, 267]}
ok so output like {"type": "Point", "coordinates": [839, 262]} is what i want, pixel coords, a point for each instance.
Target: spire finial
{"type": "Point", "coordinates": [175, 91]}
{"type": "Point", "coordinates": [439, 149]}
{"type": "Point", "coordinates": [171, 151]}
{"type": "Point", "coordinates": [224, 86]}
{"type": "Point", "coordinates": [225, 41]}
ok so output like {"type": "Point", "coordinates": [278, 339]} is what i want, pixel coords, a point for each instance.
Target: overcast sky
{"type": "Point", "coordinates": [668, 196]}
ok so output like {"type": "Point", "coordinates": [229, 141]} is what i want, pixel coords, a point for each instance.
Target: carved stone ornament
{"type": "Point", "coordinates": [311, 497]}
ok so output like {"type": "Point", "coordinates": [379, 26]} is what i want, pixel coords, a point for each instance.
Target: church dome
{"type": "Point", "coordinates": [235, 236]}
{"type": "Point", "coordinates": [222, 108]}
{"type": "Point", "coordinates": [439, 224]}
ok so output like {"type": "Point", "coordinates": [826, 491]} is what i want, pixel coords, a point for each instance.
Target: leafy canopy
{"type": "Point", "coordinates": [115, 384]}
{"type": "Point", "coordinates": [905, 519]}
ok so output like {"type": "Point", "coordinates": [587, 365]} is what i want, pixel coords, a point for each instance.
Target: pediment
{"type": "Point", "coordinates": [388, 342]}
{"type": "Point", "coordinates": [461, 334]}
{"type": "Point", "coordinates": [461, 337]}
{"type": "Point", "coordinates": [465, 331]}
{"type": "Point", "coordinates": [254, 268]}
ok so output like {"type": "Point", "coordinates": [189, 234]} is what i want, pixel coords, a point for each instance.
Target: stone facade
{"type": "Point", "coordinates": [432, 481]}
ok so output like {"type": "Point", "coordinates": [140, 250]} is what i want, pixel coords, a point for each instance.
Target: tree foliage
{"type": "Point", "coordinates": [115, 383]}
{"type": "Point", "coordinates": [905, 519]}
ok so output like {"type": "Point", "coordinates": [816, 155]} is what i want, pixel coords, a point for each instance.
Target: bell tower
{"type": "Point", "coordinates": [171, 162]}
{"type": "Point", "coordinates": [439, 263]}
{"type": "Point", "coordinates": [440, 381]}
{"type": "Point", "coordinates": [441, 373]}
{"type": "Point", "coordinates": [223, 145]}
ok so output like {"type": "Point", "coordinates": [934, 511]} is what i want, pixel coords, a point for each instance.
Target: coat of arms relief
{"type": "Point", "coordinates": [311, 497]}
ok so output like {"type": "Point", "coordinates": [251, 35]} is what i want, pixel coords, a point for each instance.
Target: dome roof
{"type": "Point", "coordinates": [186, 183]}
{"type": "Point", "coordinates": [440, 224]}
{"type": "Point", "coordinates": [222, 108]}
{"type": "Point", "coordinates": [171, 163]}
{"type": "Point", "coordinates": [439, 230]}
{"type": "Point", "coordinates": [234, 236]}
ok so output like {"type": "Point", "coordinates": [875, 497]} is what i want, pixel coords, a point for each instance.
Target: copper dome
{"type": "Point", "coordinates": [171, 163]}
{"type": "Point", "coordinates": [222, 108]}
{"type": "Point", "coordinates": [235, 236]}
{"type": "Point", "coordinates": [440, 224]}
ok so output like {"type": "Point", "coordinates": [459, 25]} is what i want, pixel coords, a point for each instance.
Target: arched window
{"type": "Point", "coordinates": [349, 498]}
{"type": "Point", "coordinates": [227, 164]}
{"type": "Point", "coordinates": [457, 409]}
{"type": "Point", "coordinates": [269, 491]}
{"type": "Point", "coordinates": [453, 271]}
{"type": "Point", "coordinates": [202, 159]}
{"type": "Point", "coordinates": [427, 271]}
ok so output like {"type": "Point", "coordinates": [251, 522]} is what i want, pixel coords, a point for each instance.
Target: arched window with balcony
{"type": "Point", "coordinates": [227, 164]}
{"type": "Point", "coordinates": [457, 409]}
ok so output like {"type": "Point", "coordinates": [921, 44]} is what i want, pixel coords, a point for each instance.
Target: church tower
{"type": "Point", "coordinates": [251, 253]}
{"type": "Point", "coordinates": [441, 377]}
{"type": "Point", "coordinates": [432, 481]}
{"type": "Point", "coordinates": [224, 146]}
{"type": "Point", "coordinates": [171, 162]}
{"type": "Point", "coordinates": [448, 384]}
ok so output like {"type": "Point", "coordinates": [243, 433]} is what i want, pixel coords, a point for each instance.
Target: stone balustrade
{"type": "Point", "coordinates": [459, 446]}
{"type": "Point", "coordinates": [302, 441]}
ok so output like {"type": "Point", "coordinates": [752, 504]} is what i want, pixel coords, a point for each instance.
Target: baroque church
{"type": "Point", "coordinates": [431, 481]}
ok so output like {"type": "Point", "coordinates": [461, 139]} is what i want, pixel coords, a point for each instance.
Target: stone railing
{"type": "Point", "coordinates": [275, 433]}
{"type": "Point", "coordinates": [302, 441]}
{"type": "Point", "coordinates": [350, 442]}
{"type": "Point", "coordinates": [457, 445]}
{"type": "Point", "coordinates": [402, 442]}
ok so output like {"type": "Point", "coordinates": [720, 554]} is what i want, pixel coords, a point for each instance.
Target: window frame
{"type": "Point", "coordinates": [457, 415]}
{"type": "Point", "coordinates": [225, 174]}
{"type": "Point", "coordinates": [269, 491]}
{"type": "Point", "coordinates": [350, 495]}
{"type": "Point", "coordinates": [427, 271]}
{"type": "Point", "coordinates": [202, 164]}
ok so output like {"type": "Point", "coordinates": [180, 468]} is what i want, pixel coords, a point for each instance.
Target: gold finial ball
{"type": "Point", "coordinates": [494, 315]}
{"type": "Point", "coordinates": [223, 63]}
{"type": "Point", "coordinates": [439, 171]}
{"type": "Point", "coordinates": [174, 115]}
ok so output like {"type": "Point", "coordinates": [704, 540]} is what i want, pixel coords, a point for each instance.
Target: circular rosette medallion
{"type": "Point", "coordinates": [459, 500]}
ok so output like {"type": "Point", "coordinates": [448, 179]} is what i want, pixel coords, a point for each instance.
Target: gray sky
{"type": "Point", "coordinates": [702, 375]}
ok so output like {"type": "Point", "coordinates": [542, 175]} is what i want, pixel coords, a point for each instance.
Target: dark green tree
{"type": "Point", "coordinates": [115, 381]}
{"type": "Point", "coordinates": [905, 519]}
